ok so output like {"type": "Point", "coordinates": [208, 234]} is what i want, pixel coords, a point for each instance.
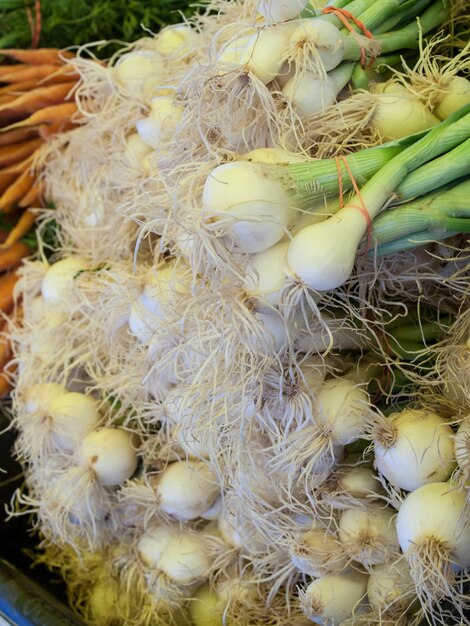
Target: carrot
{"type": "Point", "coordinates": [6, 98]}
{"type": "Point", "coordinates": [18, 73]}
{"type": "Point", "coordinates": [33, 197]}
{"type": "Point", "coordinates": [13, 255]}
{"type": "Point", "coordinates": [5, 345]}
{"type": "Point", "coordinates": [23, 225]}
{"type": "Point", "coordinates": [18, 152]}
{"type": "Point", "coordinates": [7, 287]}
{"type": "Point", "coordinates": [39, 98]}
{"type": "Point", "coordinates": [47, 130]}
{"type": "Point", "coordinates": [47, 115]}
{"type": "Point", "coordinates": [61, 75]}
{"type": "Point", "coordinates": [39, 56]}
{"type": "Point", "coordinates": [6, 384]}
{"type": "Point", "coordinates": [16, 136]}
{"type": "Point", "coordinates": [6, 179]}
{"type": "Point", "coordinates": [10, 70]}
{"type": "Point", "coordinates": [16, 191]}
{"type": "Point", "coordinates": [17, 88]}
{"type": "Point", "coordinates": [9, 117]}
{"type": "Point", "coordinates": [19, 168]}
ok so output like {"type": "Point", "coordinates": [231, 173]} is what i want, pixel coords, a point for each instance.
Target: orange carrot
{"type": "Point", "coordinates": [33, 197]}
{"type": "Point", "coordinates": [48, 115]}
{"type": "Point", "coordinates": [7, 286]}
{"type": "Point", "coordinates": [7, 98]}
{"type": "Point", "coordinates": [16, 136]}
{"type": "Point", "coordinates": [18, 152]}
{"type": "Point", "coordinates": [6, 179]}
{"type": "Point", "coordinates": [16, 191]}
{"type": "Point", "coordinates": [19, 168]}
{"type": "Point", "coordinates": [17, 88]}
{"type": "Point", "coordinates": [6, 384]}
{"type": "Point", "coordinates": [39, 56]}
{"type": "Point", "coordinates": [24, 87]}
{"type": "Point", "coordinates": [10, 69]}
{"type": "Point", "coordinates": [5, 345]}
{"type": "Point", "coordinates": [13, 255]}
{"type": "Point", "coordinates": [9, 117]}
{"type": "Point", "coordinates": [18, 73]}
{"type": "Point", "coordinates": [23, 225]}
{"type": "Point", "coordinates": [47, 130]}
{"type": "Point", "coordinates": [39, 98]}
{"type": "Point", "coordinates": [62, 74]}
{"type": "Point", "coordinates": [5, 351]}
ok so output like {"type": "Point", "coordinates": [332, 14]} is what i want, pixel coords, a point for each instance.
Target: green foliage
{"type": "Point", "coordinates": [76, 22]}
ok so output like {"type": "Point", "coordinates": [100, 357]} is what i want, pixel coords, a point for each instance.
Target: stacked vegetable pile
{"type": "Point", "coordinates": [36, 101]}
{"type": "Point", "coordinates": [242, 390]}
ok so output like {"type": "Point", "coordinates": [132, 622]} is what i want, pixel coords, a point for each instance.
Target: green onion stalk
{"type": "Point", "coordinates": [388, 42]}
{"type": "Point", "coordinates": [322, 267]}
{"type": "Point", "coordinates": [403, 169]}
{"type": "Point", "coordinates": [432, 217]}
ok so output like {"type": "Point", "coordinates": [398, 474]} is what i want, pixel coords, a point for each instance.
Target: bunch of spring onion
{"type": "Point", "coordinates": [262, 211]}
{"type": "Point", "coordinates": [209, 443]}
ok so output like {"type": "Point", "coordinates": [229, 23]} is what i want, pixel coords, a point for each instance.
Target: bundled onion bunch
{"type": "Point", "coordinates": [206, 394]}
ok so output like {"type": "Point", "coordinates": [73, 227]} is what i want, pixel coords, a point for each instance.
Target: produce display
{"type": "Point", "coordinates": [242, 362]}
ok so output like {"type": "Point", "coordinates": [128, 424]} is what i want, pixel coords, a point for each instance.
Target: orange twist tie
{"type": "Point", "coordinates": [340, 182]}
{"type": "Point", "coordinates": [35, 24]}
{"type": "Point", "coordinates": [343, 15]}
{"type": "Point", "coordinates": [362, 207]}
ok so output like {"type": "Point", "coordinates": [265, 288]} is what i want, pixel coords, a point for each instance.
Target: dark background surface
{"type": "Point", "coordinates": [15, 537]}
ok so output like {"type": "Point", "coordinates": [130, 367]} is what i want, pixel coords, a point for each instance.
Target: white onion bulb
{"type": "Point", "coordinates": [264, 53]}
{"type": "Point", "coordinates": [323, 39]}
{"type": "Point", "coordinates": [250, 204]}
{"type": "Point", "coordinates": [343, 410]}
{"type": "Point", "coordinates": [368, 536]}
{"type": "Point", "coordinates": [38, 398]}
{"type": "Point", "coordinates": [205, 608]}
{"type": "Point", "coordinates": [58, 282]}
{"type": "Point", "coordinates": [185, 560]}
{"type": "Point", "coordinates": [136, 151]}
{"type": "Point", "coordinates": [139, 73]}
{"type": "Point", "coordinates": [318, 553]}
{"type": "Point", "coordinates": [153, 544]}
{"type": "Point", "coordinates": [359, 482]}
{"type": "Point", "coordinates": [435, 515]}
{"type": "Point", "coordinates": [110, 454]}
{"type": "Point", "coordinates": [266, 276]}
{"type": "Point", "coordinates": [162, 122]}
{"type": "Point", "coordinates": [275, 11]}
{"type": "Point", "coordinates": [73, 415]}
{"type": "Point", "coordinates": [391, 587]}
{"type": "Point", "coordinates": [332, 599]}
{"type": "Point", "coordinates": [419, 449]}
{"type": "Point", "coordinates": [186, 489]}
{"type": "Point", "coordinates": [399, 114]}
{"type": "Point", "coordinates": [175, 40]}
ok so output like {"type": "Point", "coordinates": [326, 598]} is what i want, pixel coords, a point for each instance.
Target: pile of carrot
{"type": "Point", "coordinates": [36, 101]}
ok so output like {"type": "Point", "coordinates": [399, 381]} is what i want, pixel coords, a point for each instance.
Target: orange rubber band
{"type": "Point", "coordinates": [340, 182]}
{"type": "Point", "coordinates": [362, 208]}
{"type": "Point", "coordinates": [343, 15]}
